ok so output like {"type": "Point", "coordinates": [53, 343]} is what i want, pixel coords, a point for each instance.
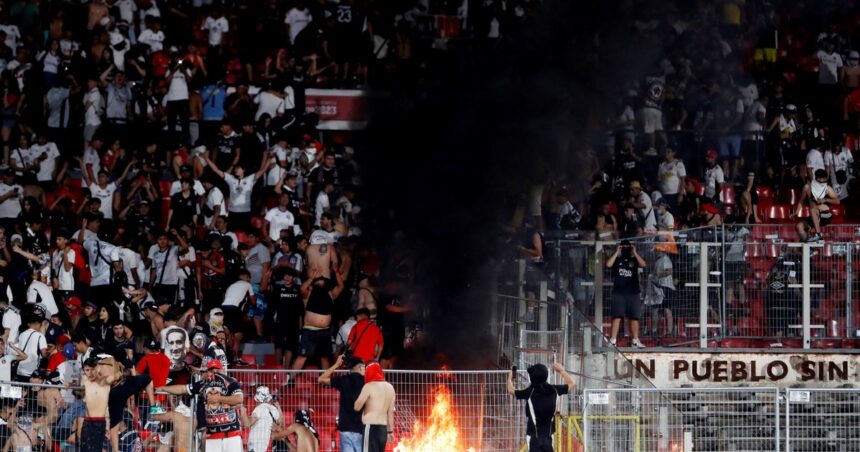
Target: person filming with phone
{"type": "Point", "coordinates": [625, 264]}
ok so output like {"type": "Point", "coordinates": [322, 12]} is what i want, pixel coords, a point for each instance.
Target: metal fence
{"type": "Point", "coordinates": [822, 420]}
{"type": "Point", "coordinates": [737, 286]}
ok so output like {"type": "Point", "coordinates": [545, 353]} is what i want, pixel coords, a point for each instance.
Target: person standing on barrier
{"type": "Point", "coordinates": [541, 400]}
{"type": "Point", "coordinates": [93, 430]}
{"type": "Point", "coordinates": [221, 395]}
{"type": "Point", "coordinates": [625, 265]}
{"type": "Point", "coordinates": [349, 424]}
{"type": "Point", "coordinates": [376, 403]}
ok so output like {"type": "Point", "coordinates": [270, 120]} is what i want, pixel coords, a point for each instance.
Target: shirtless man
{"type": "Point", "coordinates": [93, 428]}
{"type": "Point", "coordinates": [819, 196]}
{"type": "Point", "coordinates": [315, 340]}
{"type": "Point", "coordinates": [321, 254]}
{"type": "Point", "coordinates": [377, 402]}
{"type": "Point", "coordinates": [307, 437]}
{"type": "Point", "coordinates": [181, 419]}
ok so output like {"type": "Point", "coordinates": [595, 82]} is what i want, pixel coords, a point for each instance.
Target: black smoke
{"type": "Point", "coordinates": [450, 158]}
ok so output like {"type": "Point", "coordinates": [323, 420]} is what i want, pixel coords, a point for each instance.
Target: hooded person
{"type": "Point", "coordinates": [541, 399]}
{"type": "Point", "coordinates": [376, 402]}
{"type": "Point", "coordinates": [264, 416]}
{"type": "Point", "coordinates": [307, 437]}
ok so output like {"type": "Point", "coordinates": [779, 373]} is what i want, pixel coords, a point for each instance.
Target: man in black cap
{"type": "Point", "coordinates": [541, 398]}
{"type": "Point", "coordinates": [349, 423]}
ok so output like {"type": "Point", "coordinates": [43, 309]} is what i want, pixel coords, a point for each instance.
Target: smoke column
{"type": "Point", "coordinates": [449, 158]}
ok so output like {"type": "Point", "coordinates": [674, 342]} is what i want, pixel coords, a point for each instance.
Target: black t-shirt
{"type": "Point", "coordinates": [184, 210]}
{"type": "Point", "coordinates": [222, 418]}
{"type": "Point", "coordinates": [226, 146]}
{"type": "Point", "coordinates": [543, 403]}
{"type": "Point", "coordinates": [120, 394]}
{"type": "Point", "coordinates": [349, 387]}
{"type": "Point", "coordinates": [289, 307]}
{"type": "Point", "coordinates": [625, 275]}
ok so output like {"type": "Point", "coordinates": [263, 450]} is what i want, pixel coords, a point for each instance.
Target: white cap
{"type": "Point", "coordinates": [318, 238]}
{"type": "Point", "coordinates": [853, 55]}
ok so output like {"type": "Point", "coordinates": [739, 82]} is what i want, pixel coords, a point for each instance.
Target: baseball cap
{"type": "Point", "coordinates": [16, 238]}
{"type": "Point", "coordinates": [711, 154]}
{"type": "Point", "coordinates": [214, 364]}
{"type": "Point", "coordinates": [90, 304]}
{"type": "Point", "coordinates": [152, 344]}
{"type": "Point", "coordinates": [69, 351]}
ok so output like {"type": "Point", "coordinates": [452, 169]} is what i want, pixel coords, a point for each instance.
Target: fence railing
{"type": "Point", "coordinates": [486, 418]}
{"type": "Point", "coordinates": [738, 286]}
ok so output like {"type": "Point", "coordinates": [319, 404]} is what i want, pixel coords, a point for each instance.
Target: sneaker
{"type": "Point", "coordinates": [637, 343]}
{"type": "Point", "coordinates": [613, 342]}
{"type": "Point", "coordinates": [817, 237]}
{"type": "Point", "coordinates": [651, 152]}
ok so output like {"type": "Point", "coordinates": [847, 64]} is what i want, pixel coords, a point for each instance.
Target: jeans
{"type": "Point", "coordinates": [350, 442]}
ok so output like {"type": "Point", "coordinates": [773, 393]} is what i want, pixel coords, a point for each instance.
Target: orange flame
{"type": "Point", "coordinates": [441, 431]}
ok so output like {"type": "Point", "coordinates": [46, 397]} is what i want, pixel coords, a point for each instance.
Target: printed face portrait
{"type": "Point", "coordinates": [176, 346]}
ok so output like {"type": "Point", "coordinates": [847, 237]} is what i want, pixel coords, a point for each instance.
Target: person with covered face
{"type": "Point", "coordinates": [541, 398]}
{"type": "Point", "coordinates": [625, 264]}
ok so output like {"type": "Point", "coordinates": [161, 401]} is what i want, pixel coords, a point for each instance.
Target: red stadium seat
{"type": "Point", "coordinates": [764, 192]}
{"type": "Point", "coordinates": [790, 196]}
{"type": "Point", "coordinates": [804, 212]}
{"type": "Point", "coordinates": [241, 237]}
{"type": "Point", "coordinates": [257, 222]}
{"type": "Point", "coordinates": [838, 213]}
{"type": "Point", "coordinates": [727, 196]}
{"type": "Point", "coordinates": [778, 213]}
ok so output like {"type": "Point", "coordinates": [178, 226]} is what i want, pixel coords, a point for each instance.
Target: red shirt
{"type": "Point", "coordinates": [363, 339]}
{"type": "Point", "coordinates": [157, 366]}
{"type": "Point", "coordinates": [55, 360]}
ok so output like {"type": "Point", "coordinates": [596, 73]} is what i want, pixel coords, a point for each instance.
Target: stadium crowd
{"type": "Point", "coordinates": [166, 199]}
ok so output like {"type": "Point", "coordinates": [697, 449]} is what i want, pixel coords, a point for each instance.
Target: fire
{"type": "Point", "coordinates": [441, 431]}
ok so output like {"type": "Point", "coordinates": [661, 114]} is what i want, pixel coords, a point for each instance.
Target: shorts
{"type": "Point", "coordinates": [288, 340]}
{"type": "Point", "coordinates": [626, 305]}
{"type": "Point", "coordinates": [730, 146]}
{"type": "Point", "coordinates": [315, 343]}
{"type": "Point", "coordinates": [539, 443]}
{"type": "Point", "coordinates": [735, 271]}
{"type": "Point", "coordinates": [824, 219]}
{"type": "Point", "coordinates": [231, 444]}
{"type": "Point", "coordinates": [233, 318]}
{"type": "Point", "coordinates": [375, 437]}
{"type": "Point", "coordinates": [93, 435]}
{"type": "Point", "coordinates": [652, 119]}
{"type": "Point", "coordinates": [258, 311]}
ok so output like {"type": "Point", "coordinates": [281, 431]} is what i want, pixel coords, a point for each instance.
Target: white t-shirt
{"type": "Point", "coordinates": [237, 292]}
{"type": "Point", "coordinates": [279, 220]}
{"type": "Point", "coordinates": [268, 103]}
{"type": "Point", "coordinates": [665, 222]}
{"type": "Point", "coordinates": [32, 343]}
{"type": "Point", "coordinates": [13, 36]}
{"type": "Point", "coordinates": [240, 192]}
{"type": "Point", "coordinates": [190, 255]}
{"type": "Point", "coordinates": [10, 208]}
{"type": "Point", "coordinates": [839, 162]}
{"type": "Point", "coordinates": [828, 67]}
{"type": "Point", "coordinates": [217, 28]}
{"type": "Point", "coordinates": [196, 187]}
{"type": "Point", "coordinates": [47, 166]}
{"type": "Point", "coordinates": [105, 195]}
{"type": "Point", "coordinates": [213, 199]}
{"type": "Point", "coordinates": [65, 279]}
{"type": "Point", "coordinates": [6, 361]}
{"type": "Point", "coordinates": [670, 174]}
{"type": "Point", "coordinates": [12, 322]}
{"type": "Point", "coordinates": [297, 19]}
{"type": "Point", "coordinates": [93, 115]}
{"type": "Point", "coordinates": [91, 158]}
{"type": "Point", "coordinates": [127, 8]}
{"type": "Point", "coordinates": [131, 264]}
{"type": "Point", "coordinates": [321, 204]}
{"type": "Point", "coordinates": [178, 89]}
{"type": "Point", "coordinates": [70, 374]}
{"type": "Point", "coordinates": [814, 160]}
{"type": "Point", "coordinates": [267, 415]}
{"type": "Point", "coordinates": [39, 293]}
{"type": "Point", "coordinates": [155, 41]}
{"type": "Point", "coordinates": [99, 255]}
{"type": "Point", "coordinates": [713, 176]}
{"type": "Point", "coordinates": [158, 264]}
{"type": "Point", "coordinates": [751, 114]}
{"type": "Point", "coordinates": [274, 175]}
{"type": "Point", "coordinates": [22, 158]}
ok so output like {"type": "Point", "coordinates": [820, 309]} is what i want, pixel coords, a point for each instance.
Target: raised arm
{"type": "Point", "coordinates": [564, 375]}
{"type": "Point", "coordinates": [325, 378]}
{"type": "Point", "coordinates": [213, 165]}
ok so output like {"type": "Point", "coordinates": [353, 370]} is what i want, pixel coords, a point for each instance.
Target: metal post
{"type": "Point", "coordinates": [787, 420]}
{"type": "Point", "coordinates": [807, 297]}
{"type": "Point", "coordinates": [585, 393]}
{"type": "Point", "coordinates": [849, 283]}
{"type": "Point", "coordinates": [598, 286]}
{"type": "Point", "coordinates": [703, 295]}
{"type": "Point", "coordinates": [192, 428]}
{"type": "Point", "coordinates": [724, 287]}
{"type": "Point", "coordinates": [776, 416]}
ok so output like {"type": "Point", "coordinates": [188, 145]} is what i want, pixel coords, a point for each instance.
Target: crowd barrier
{"type": "Point", "coordinates": [739, 286]}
